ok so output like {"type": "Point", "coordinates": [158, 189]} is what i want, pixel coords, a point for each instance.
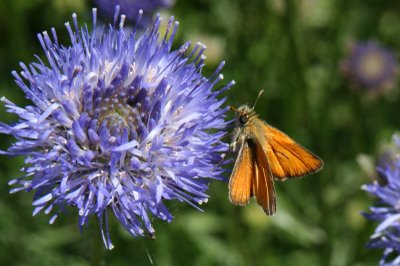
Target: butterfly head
{"type": "Point", "coordinates": [243, 114]}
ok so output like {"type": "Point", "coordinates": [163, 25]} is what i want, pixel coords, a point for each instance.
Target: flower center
{"type": "Point", "coordinates": [117, 114]}
{"type": "Point", "coordinates": [372, 65]}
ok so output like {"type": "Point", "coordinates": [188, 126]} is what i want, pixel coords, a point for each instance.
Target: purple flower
{"type": "Point", "coordinates": [370, 66]}
{"type": "Point", "coordinates": [119, 123]}
{"type": "Point", "coordinates": [387, 209]}
{"type": "Point", "coordinates": [131, 8]}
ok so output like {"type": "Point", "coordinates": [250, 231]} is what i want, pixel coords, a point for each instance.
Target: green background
{"type": "Point", "coordinates": [291, 49]}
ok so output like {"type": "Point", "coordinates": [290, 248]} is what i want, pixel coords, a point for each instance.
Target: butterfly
{"type": "Point", "coordinates": [265, 154]}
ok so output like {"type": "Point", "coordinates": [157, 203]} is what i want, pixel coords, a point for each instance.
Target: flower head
{"type": "Point", "coordinates": [387, 211]}
{"type": "Point", "coordinates": [131, 8]}
{"type": "Point", "coordinates": [370, 66]}
{"type": "Point", "coordinates": [119, 123]}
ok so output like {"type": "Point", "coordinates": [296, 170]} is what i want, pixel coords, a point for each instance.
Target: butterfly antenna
{"type": "Point", "coordinates": [258, 97]}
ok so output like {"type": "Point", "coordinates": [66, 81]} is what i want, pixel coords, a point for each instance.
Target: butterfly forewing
{"type": "Point", "coordinates": [287, 158]}
{"type": "Point", "coordinates": [240, 183]}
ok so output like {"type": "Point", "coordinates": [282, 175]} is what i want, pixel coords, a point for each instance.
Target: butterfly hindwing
{"type": "Point", "coordinates": [263, 186]}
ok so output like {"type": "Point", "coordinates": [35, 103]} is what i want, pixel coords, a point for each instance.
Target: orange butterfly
{"type": "Point", "coordinates": [265, 154]}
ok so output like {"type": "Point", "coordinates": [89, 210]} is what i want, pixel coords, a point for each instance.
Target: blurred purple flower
{"type": "Point", "coordinates": [370, 66]}
{"type": "Point", "coordinates": [118, 123]}
{"type": "Point", "coordinates": [131, 8]}
{"type": "Point", "coordinates": [387, 210]}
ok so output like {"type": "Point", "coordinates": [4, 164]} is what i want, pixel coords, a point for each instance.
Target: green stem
{"type": "Point", "coordinates": [97, 248]}
{"type": "Point", "coordinates": [299, 57]}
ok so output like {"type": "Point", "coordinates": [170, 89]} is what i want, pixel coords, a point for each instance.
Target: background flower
{"type": "Point", "coordinates": [118, 123]}
{"type": "Point", "coordinates": [370, 66]}
{"type": "Point", "coordinates": [131, 8]}
{"type": "Point", "coordinates": [387, 210]}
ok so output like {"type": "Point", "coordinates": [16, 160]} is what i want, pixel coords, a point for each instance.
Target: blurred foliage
{"type": "Point", "coordinates": [291, 49]}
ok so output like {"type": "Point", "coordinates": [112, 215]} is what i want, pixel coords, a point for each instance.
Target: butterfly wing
{"type": "Point", "coordinates": [263, 185]}
{"type": "Point", "coordinates": [240, 182]}
{"type": "Point", "coordinates": [288, 159]}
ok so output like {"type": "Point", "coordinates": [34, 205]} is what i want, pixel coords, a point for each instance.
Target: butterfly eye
{"type": "Point", "coordinates": [243, 119]}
